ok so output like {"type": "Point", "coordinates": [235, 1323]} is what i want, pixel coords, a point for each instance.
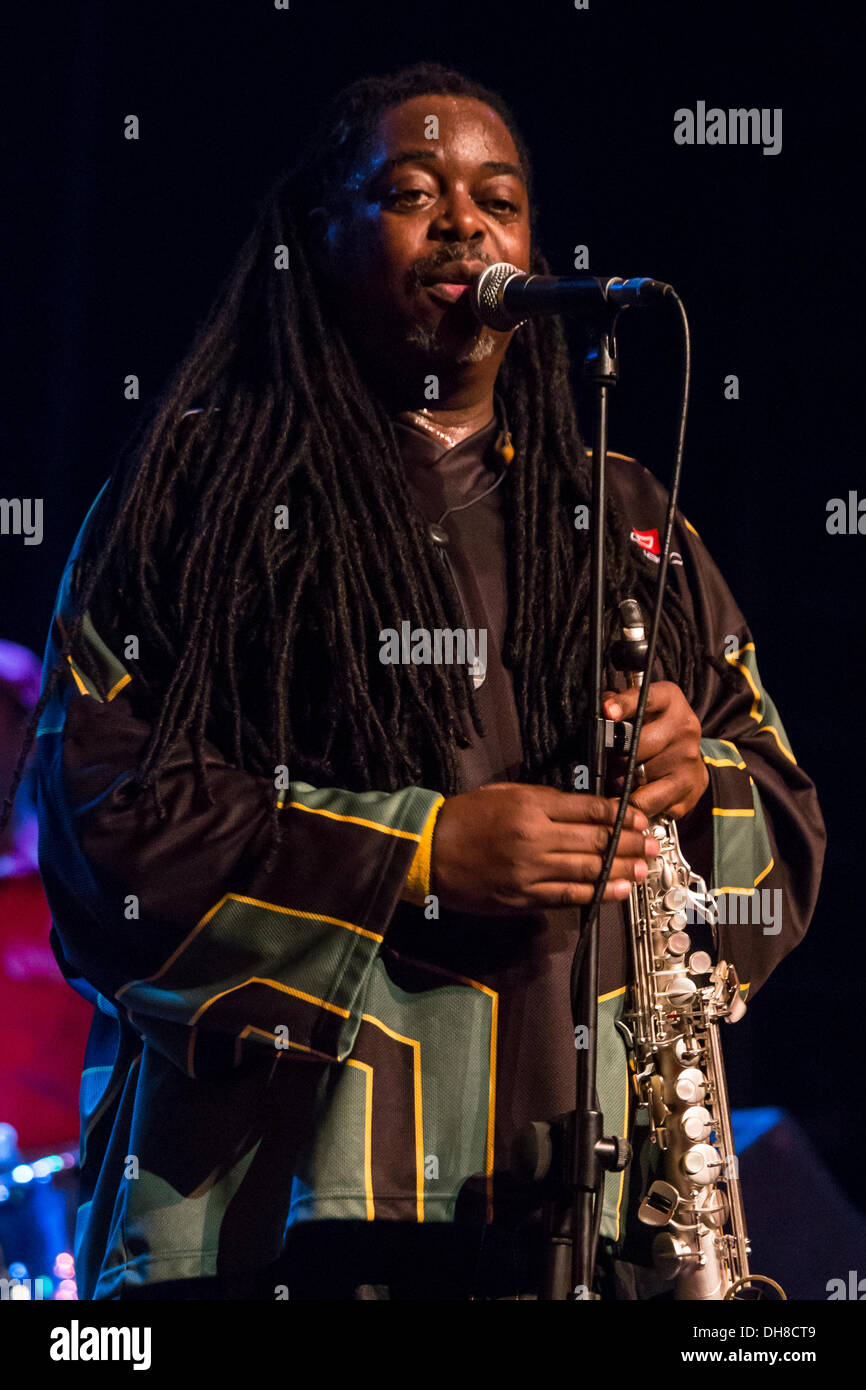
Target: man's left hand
{"type": "Point", "coordinates": [670, 750]}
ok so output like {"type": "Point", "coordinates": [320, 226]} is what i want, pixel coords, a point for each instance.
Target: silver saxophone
{"type": "Point", "coordinates": [676, 1001]}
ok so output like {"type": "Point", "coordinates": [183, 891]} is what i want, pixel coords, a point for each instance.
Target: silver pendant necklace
{"type": "Point", "coordinates": [422, 419]}
{"type": "Point", "coordinates": [503, 446]}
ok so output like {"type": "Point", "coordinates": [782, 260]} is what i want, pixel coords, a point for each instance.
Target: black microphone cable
{"type": "Point", "coordinates": [664, 563]}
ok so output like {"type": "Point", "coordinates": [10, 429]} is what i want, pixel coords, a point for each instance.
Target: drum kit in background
{"type": "Point", "coordinates": [38, 1202]}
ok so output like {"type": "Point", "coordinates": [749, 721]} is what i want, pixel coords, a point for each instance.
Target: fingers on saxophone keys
{"type": "Point", "coordinates": [624, 868]}
{"type": "Point", "coordinates": [631, 870]}
{"type": "Point", "coordinates": [571, 894]}
{"type": "Point", "coordinates": [603, 811]}
{"type": "Point", "coordinates": [618, 890]}
{"type": "Point", "coordinates": [633, 844]}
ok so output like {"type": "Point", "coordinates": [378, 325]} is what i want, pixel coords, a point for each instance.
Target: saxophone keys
{"type": "Point", "coordinates": [696, 1123]}
{"type": "Point", "coordinates": [676, 898]}
{"type": "Point", "coordinates": [691, 1086]}
{"type": "Point", "coordinates": [680, 989]}
{"type": "Point", "coordinates": [715, 1210]}
{"type": "Point", "coordinates": [659, 1205]}
{"type": "Point", "coordinates": [736, 1010]}
{"type": "Point", "coordinates": [687, 1051]}
{"type": "Point", "coordinates": [701, 1164]}
{"type": "Point", "coordinates": [671, 1255]}
{"type": "Point", "coordinates": [677, 943]}
{"type": "Point", "coordinates": [658, 1109]}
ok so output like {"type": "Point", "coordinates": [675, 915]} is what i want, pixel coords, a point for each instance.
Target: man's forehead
{"type": "Point", "coordinates": [462, 129]}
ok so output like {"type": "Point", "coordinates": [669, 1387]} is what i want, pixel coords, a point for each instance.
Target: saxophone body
{"type": "Point", "coordinates": [676, 1001]}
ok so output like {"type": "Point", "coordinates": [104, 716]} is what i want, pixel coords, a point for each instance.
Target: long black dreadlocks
{"type": "Point", "coordinates": [265, 640]}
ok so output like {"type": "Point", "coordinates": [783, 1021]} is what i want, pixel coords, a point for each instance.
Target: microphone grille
{"type": "Point", "coordinates": [487, 295]}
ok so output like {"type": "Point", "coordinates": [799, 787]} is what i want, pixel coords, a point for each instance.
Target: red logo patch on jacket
{"type": "Point", "coordinates": [649, 541]}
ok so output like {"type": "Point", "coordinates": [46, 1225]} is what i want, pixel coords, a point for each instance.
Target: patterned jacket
{"type": "Point", "coordinates": [302, 1042]}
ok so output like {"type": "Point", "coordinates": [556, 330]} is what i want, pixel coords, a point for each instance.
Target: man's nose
{"type": "Point", "coordinates": [458, 218]}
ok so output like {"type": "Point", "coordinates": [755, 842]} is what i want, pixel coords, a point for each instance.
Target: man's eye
{"type": "Point", "coordinates": [408, 197]}
{"type": "Point", "coordinates": [501, 205]}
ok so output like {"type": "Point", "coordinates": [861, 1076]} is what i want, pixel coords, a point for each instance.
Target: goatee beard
{"type": "Point", "coordinates": [481, 346]}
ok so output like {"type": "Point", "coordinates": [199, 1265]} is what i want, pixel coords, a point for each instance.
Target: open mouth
{"type": "Point", "coordinates": [447, 291]}
{"type": "Point", "coordinates": [452, 281]}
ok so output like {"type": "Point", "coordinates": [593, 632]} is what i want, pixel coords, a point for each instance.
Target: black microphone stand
{"type": "Point", "coordinates": [593, 1155]}
{"type": "Point", "coordinates": [570, 1153]}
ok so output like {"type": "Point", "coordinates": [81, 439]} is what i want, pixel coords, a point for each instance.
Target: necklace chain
{"type": "Point", "coordinates": [422, 418]}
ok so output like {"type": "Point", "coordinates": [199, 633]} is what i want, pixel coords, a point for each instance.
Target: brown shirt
{"type": "Point", "coordinates": [527, 959]}
{"type": "Point", "coordinates": [442, 479]}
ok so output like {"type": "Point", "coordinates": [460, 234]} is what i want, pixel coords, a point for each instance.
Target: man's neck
{"type": "Point", "coordinates": [448, 423]}
{"type": "Point", "coordinates": [464, 393]}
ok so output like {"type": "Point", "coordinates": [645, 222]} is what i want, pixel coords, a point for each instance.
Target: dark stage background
{"type": "Point", "coordinates": [118, 248]}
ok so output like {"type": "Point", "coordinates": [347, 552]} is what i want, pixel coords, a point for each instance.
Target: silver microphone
{"type": "Point", "coordinates": [503, 296]}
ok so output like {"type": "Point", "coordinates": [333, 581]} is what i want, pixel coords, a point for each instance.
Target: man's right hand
{"type": "Point", "coordinates": [512, 847]}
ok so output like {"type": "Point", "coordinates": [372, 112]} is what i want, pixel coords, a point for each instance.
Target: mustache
{"type": "Point", "coordinates": [423, 272]}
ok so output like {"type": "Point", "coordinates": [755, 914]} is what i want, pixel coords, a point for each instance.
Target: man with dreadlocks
{"type": "Point", "coordinates": [324, 897]}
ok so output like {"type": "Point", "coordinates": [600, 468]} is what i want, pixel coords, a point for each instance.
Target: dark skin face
{"type": "Point", "coordinates": [414, 215]}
